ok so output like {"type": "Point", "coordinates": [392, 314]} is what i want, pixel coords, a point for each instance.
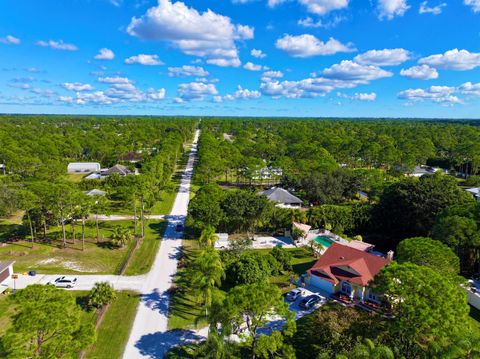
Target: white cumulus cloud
{"type": "Point", "coordinates": [10, 40]}
{"type": "Point", "coordinates": [365, 96]}
{"type": "Point", "coordinates": [350, 71]}
{"type": "Point", "coordinates": [208, 34]}
{"type": "Point", "coordinates": [434, 10]}
{"type": "Point", "coordinates": [421, 72]}
{"type": "Point", "coordinates": [250, 66]}
{"type": "Point", "coordinates": [187, 70]}
{"type": "Point", "coordinates": [105, 54]}
{"type": "Point", "coordinates": [388, 9]}
{"type": "Point", "coordinates": [385, 57]}
{"type": "Point", "coordinates": [470, 89]}
{"type": "Point", "coordinates": [57, 45]}
{"type": "Point", "coordinates": [77, 86]}
{"type": "Point", "coordinates": [453, 60]}
{"type": "Point", "coordinates": [474, 4]}
{"type": "Point", "coordinates": [322, 7]}
{"type": "Point", "coordinates": [195, 91]}
{"type": "Point", "coordinates": [307, 45]}
{"type": "Point", "coordinates": [143, 59]}
{"type": "Point", "coordinates": [114, 80]}
{"type": "Point", "coordinates": [257, 53]}
{"type": "Point", "coordinates": [437, 94]}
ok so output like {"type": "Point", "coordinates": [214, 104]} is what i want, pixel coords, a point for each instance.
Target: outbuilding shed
{"type": "Point", "coordinates": [83, 167]}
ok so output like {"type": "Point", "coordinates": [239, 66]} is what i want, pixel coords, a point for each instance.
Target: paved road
{"type": "Point", "coordinates": [149, 337]}
{"type": "Point", "coordinates": [84, 282]}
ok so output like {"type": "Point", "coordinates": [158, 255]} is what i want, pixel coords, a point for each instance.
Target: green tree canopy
{"type": "Point", "coordinates": [47, 325]}
{"type": "Point", "coordinates": [427, 307]}
{"type": "Point", "coordinates": [425, 251]}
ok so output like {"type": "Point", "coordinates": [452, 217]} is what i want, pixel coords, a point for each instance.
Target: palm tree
{"type": "Point", "coordinates": [121, 236]}
{"type": "Point", "coordinates": [208, 237]}
{"type": "Point", "coordinates": [208, 273]}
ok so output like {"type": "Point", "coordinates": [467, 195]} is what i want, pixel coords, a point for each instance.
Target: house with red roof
{"type": "Point", "coordinates": [347, 271]}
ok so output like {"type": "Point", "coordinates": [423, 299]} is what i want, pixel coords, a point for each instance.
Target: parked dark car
{"type": "Point", "coordinates": [310, 301]}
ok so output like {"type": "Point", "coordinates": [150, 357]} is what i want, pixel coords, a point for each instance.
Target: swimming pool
{"type": "Point", "coordinates": [324, 241]}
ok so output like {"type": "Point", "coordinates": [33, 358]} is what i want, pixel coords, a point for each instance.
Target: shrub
{"type": "Point", "coordinates": [101, 294]}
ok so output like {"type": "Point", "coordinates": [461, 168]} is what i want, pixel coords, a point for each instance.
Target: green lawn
{"type": "Point", "coordinates": [145, 255]}
{"type": "Point", "coordinates": [50, 257]}
{"type": "Point", "coordinates": [112, 335]}
{"type": "Point", "coordinates": [184, 306]}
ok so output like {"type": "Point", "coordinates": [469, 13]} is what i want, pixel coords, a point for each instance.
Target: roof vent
{"type": "Point", "coordinates": [342, 257]}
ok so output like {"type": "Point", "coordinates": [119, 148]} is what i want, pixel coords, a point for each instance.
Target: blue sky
{"type": "Point", "coordinates": [376, 58]}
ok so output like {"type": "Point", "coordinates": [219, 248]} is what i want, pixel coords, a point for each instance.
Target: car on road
{"type": "Point", "coordinates": [64, 282]}
{"type": "Point", "coordinates": [179, 227]}
{"type": "Point", "coordinates": [310, 301]}
{"type": "Point", "coordinates": [294, 294]}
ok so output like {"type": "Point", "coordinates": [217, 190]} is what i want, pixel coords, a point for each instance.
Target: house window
{"type": "Point", "coordinates": [346, 288]}
{"type": "Point", "coordinates": [373, 297]}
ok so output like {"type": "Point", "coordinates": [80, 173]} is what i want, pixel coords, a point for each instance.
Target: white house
{"type": "Point", "coordinates": [83, 167]}
{"type": "Point", "coordinates": [282, 198]}
{"type": "Point", "coordinates": [6, 271]}
{"type": "Point", "coordinates": [420, 171]}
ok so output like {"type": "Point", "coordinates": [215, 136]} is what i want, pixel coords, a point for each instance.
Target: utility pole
{"type": "Point", "coordinates": [142, 215]}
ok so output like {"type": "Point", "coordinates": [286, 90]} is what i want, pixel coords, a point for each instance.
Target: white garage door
{"type": "Point", "coordinates": [322, 284]}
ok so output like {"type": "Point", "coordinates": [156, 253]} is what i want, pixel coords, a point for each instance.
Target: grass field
{"type": "Point", "coordinates": [145, 255]}
{"type": "Point", "coordinates": [184, 307]}
{"type": "Point", "coordinates": [112, 335]}
{"type": "Point", "coordinates": [50, 257]}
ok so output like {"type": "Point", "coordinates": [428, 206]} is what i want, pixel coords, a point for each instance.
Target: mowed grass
{"type": "Point", "coordinates": [101, 258]}
{"type": "Point", "coordinates": [112, 335]}
{"type": "Point", "coordinates": [144, 256]}
{"type": "Point", "coordinates": [186, 311]}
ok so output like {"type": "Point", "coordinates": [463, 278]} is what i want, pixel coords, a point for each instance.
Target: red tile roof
{"type": "Point", "coordinates": [341, 262]}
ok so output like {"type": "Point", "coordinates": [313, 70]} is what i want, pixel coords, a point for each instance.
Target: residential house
{"type": "Point", "coordinates": [282, 198]}
{"type": "Point", "coordinates": [420, 171]}
{"type": "Point", "coordinates": [118, 169]}
{"type": "Point", "coordinates": [83, 167]}
{"type": "Point", "coordinates": [347, 271]}
{"type": "Point", "coordinates": [6, 271]}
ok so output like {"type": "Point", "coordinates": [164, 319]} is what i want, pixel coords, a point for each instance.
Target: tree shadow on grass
{"type": "Point", "coordinates": [107, 245]}
{"type": "Point", "coordinates": [158, 228]}
{"type": "Point", "coordinates": [301, 268]}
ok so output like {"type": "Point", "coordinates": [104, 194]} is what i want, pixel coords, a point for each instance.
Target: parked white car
{"type": "Point", "coordinates": [294, 294]}
{"type": "Point", "coordinates": [64, 282]}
